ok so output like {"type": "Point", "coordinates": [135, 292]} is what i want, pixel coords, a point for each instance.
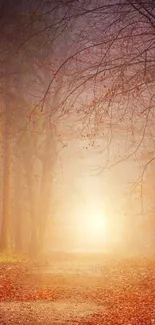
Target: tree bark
{"type": "Point", "coordinates": [5, 238]}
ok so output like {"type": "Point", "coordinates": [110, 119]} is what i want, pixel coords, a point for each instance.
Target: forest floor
{"type": "Point", "coordinates": [79, 289]}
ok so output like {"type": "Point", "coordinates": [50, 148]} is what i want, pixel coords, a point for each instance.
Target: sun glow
{"type": "Point", "coordinates": [92, 227]}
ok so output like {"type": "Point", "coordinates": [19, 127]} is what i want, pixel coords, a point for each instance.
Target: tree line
{"type": "Point", "coordinates": [89, 59]}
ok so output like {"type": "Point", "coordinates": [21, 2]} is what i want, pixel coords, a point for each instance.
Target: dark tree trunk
{"type": "Point", "coordinates": [18, 224]}
{"type": "Point", "coordinates": [34, 240]}
{"type": "Point", "coordinates": [5, 238]}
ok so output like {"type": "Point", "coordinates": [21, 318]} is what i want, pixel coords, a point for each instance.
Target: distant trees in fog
{"type": "Point", "coordinates": [93, 60]}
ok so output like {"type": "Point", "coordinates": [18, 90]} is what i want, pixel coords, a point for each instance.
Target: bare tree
{"type": "Point", "coordinates": [89, 61]}
{"type": "Point", "coordinates": [31, 136]}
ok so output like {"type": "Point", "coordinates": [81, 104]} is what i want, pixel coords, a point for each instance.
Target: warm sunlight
{"type": "Point", "coordinates": [91, 228]}
{"type": "Point", "coordinates": [95, 224]}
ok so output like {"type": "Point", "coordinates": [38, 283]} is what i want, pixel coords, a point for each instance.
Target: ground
{"type": "Point", "coordinates": [78, 289]}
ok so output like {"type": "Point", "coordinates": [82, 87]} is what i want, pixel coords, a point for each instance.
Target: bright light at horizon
{"type": "Point", "coordinates": [92, 227]}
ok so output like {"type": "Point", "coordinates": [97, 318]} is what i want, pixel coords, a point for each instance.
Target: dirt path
{"type": "Point", "coordinates": [46, 313]}
{"type": "Point", "coordinates": [78, 291]}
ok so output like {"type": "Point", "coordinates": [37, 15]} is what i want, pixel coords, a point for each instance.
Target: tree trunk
{"type": "Point", "coordinates": [34, 240]}
{"type": "Point", "coordinates": [18, 224]}
{"type": "Point", "coordinates": [5, 239]}
{"type": "Point", "coordinates": [46, 185]}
